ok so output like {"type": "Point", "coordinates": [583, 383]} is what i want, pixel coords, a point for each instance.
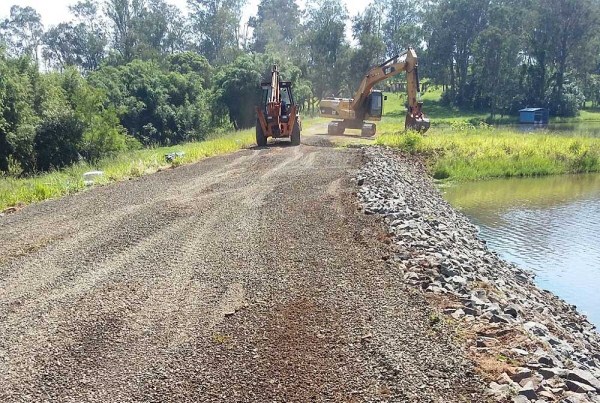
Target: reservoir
{"type": "Point", "coordinates": [550, 225]}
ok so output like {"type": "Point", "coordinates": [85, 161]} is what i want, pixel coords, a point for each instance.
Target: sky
{"type": "Point", "coordinates": [56, 11]}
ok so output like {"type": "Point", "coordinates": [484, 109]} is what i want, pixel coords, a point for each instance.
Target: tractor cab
{"type": "Point", "coordinates": [286, 100]}
{"type": "Point", "coordinates": [277, 113]}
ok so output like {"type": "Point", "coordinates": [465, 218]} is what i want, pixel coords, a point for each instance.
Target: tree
{"type": "Point", "coordinates": [401, 22]}
{"type": "Point", "coordinates": [572, 23]}
{"type": "Point", "coordinates": [324, 36]}
{"type": "Point", "coordinates": [154, 105]}
{"type": "Point", "coordinates": [454, 27]}
{"type": "Point", "coordinates": [57, 141]}
{"type": "Point", "coordinates": [91, 31]}
{"type": "Point", "coordinates": [366, 30]}
{"type": "Point", "coordinates": [22, 32]}
{"type": "Point", "coordinates": [217, 27]}
{"type": "Point", "coordinates": [238, 90]}
{"type": "Point", "coordinates": [19, 79]}
{"type": "Point", "coordinates": [497, 59]}
{"type": "Point", "coordinates": [123, 15]}
{"type": "Point", "coordinates": [160, 29]}
{"type": "Point", "coordinates": [276, 24]}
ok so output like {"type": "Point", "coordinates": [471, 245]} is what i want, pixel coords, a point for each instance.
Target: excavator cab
{"type": "Point", "coordinates": [277, 115]}
{"type": "Point", "coordinates": [374, 106]}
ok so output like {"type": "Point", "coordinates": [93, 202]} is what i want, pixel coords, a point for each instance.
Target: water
{"type": "Point", "coordinates": [549, 225]}
{"type": "Point", "coordinates": [583, 128]}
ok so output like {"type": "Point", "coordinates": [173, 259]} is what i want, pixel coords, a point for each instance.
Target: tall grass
{"type": "Point", "coordinates": [18, 191]}
{"type": "Point", "coordinates": [467, 153]}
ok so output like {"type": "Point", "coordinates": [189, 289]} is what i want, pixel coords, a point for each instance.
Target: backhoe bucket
{"type": "Point", "coordinates": [419, 124]}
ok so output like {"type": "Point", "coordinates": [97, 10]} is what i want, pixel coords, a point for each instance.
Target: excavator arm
{"type": "Point", "coordinates": [405, 62]}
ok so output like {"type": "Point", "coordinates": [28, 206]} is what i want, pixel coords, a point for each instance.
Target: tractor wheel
{"type": "Point", "coordinates": [295, 137]}
{"type": "Point", "coordinates": [261, 140]}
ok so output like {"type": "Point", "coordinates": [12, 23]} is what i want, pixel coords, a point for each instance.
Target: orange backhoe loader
{"type": "Point", "coordinates": [277, 115]}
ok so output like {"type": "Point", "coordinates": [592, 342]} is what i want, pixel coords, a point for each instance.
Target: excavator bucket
{"type": "Point", "coordinates": [416, 119]}
{"type": "Point", "coordinates": [419, 124]}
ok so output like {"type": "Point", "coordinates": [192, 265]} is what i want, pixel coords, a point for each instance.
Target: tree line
{"type": "Point", "coordinates": [122, 74]}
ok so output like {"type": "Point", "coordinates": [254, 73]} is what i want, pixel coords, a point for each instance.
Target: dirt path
{"type": "Point", "coordinates": [249, 277]}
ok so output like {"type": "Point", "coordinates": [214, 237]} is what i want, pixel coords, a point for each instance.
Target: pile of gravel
{"type": "Point", "coordinates": [540, 347]}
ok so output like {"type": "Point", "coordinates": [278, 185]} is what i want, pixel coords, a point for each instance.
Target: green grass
{"type": "Point", "coordinates": [465, 153]}
{"type": "Point", "coordinates": [21, 191]}
{"type": "Point", "coordinates": [439, 114]}
{"type": "Point", "coordinates": [443, 115]}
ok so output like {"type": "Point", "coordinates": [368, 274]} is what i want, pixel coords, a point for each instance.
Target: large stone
{"type": "Point", "coordinates": [579, 387]}
{"type": "Point", "coordinates": [512, 310]}
{"type": "Point", "coordinates": [572, 397]}
{"type": "Point", "coordinates": [520, 373]}
{"type": "Point", "coordinates": [536, 328]}
{"type": "Point", "coordinates": [459, 313]}
{"type": "Point", "coordinates": [584, 377]}
{"type": "Point", "coordinates": [549, 373]}
{"type": "Point", "coordinates": [548, 361]}
{"type": "Point", "coordinates": [528, 391]}
{"type": "Point", "coordinates": [547, 394]}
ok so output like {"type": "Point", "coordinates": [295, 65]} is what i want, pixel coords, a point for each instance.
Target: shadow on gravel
{"type": "Point", "coordinates": [276, 144]}
{"type": "Point", "coordinates": [349, 136]}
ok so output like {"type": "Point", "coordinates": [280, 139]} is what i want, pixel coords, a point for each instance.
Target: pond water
{"type": "Point", "coordinates": [550, 225]}
{"type": "Point", "coordinates": [582, 128]}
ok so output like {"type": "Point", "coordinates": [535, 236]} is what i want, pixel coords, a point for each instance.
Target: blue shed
{"type": "Point", "coordinates": [534, 115]}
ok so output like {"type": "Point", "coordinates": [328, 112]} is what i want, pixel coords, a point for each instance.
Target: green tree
{"type": "Point", "coordinates": [276, 25]}
{"type": "Point", "coordinates": [18, 88]}
{"type": "Point", "coordinates": [401, 22]}
{"type": "Point", "coordinates": [366, 30]}
{"type": "Point", "coordinates": [57, 141]}
{"type": "Point", "coordinates": [237, 90]}
{"type": "Point", "coordinates": [327, 48]}
{"type": "Point", "coordinates": [216, 24]}
{"type": "Point", "coordinates": [124, 15]}
{"type": "Point", "coordinates": [22, 32]}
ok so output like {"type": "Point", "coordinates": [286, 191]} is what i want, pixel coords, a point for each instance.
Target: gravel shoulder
{"type": "Point", "coordinates": [247, 277]}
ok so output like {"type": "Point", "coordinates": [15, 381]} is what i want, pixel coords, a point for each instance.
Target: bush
{"type": "Point", "coordinates": [104, 137]}
{"type": "Point", "coordinates": [57, 141]}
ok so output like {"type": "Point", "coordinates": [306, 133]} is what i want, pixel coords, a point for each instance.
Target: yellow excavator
{"type": "Point", "coordinates": [367, 104]}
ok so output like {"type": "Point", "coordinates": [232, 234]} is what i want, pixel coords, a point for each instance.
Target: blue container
{"type": "Point", "coordinates": [534, 116]}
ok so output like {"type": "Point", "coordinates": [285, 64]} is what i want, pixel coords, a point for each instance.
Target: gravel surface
{"type": "Point", "coordinates": [531, 345]}
{"type": "Point", "coordinates": [249, 277]}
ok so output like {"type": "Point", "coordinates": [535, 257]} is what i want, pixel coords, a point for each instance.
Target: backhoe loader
{"type": "Point", "coordinates": [367, 104]}
{"type": "Point", "coordinates": [277, 115]}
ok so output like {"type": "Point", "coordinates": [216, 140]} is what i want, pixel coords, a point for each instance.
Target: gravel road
{"type": "Point", "coordinates": [249, 277]}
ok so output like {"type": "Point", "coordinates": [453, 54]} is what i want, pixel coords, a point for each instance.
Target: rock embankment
{"type": "Point", "coordinates": [531, 345]}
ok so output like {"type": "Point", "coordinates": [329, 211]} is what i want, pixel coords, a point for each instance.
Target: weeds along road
{"type": "Point", "coordinates": [248, 277]}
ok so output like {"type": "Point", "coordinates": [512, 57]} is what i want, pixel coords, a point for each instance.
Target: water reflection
{"type": "Point", "coordinates": [550, 225]}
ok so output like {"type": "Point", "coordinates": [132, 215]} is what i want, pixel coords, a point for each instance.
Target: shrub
{"type": "Point", "coordinates": [57, 141]}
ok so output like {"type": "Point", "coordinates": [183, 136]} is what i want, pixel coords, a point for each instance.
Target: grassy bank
{"type": "Point", "coordinates": [443, 115]}
{"type": "Point", "coordinates": [470, 153]}
{"type": "Point", "coordinates": [20, 191]}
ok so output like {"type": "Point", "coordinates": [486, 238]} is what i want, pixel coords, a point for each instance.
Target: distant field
{"type": "Point", "coordinates": [445, 115]}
